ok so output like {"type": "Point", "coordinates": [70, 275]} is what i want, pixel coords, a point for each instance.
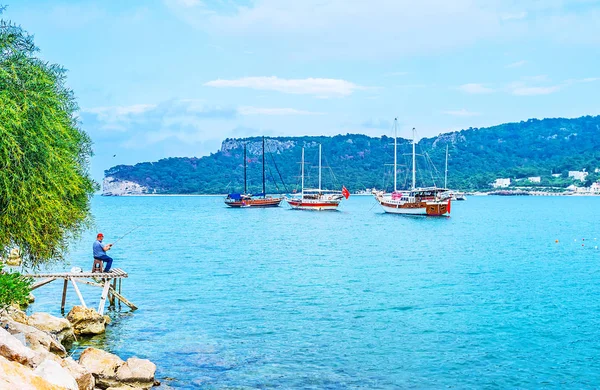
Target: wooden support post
{"type": "Point", "coordinates": [120, 280]}
{"type": "Point", "coordinates": [42, 283]}
{"type": "Point", "coordinates": [64, 296]}
{"type": "Point", "coordinates": [103, 297]}
{"type": "Point", "coordinates": [125, 301]}
{"type": "Point", "coordinates": [111, 296]}
{"type": "Point", "coordinates": [78, 292]}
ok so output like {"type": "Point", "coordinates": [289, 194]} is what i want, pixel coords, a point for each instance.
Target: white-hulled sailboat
{"type": "Point", "coordinates": [430, 201]}
{"type": "Point", "coordinates": [316, 198]}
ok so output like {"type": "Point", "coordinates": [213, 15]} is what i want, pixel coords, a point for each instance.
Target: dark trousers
{"type": "Point", "coordinates": [107, 260]}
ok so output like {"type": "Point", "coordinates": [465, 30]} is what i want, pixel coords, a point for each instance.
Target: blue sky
{"type": "Point", "coordinates": [175, 77]}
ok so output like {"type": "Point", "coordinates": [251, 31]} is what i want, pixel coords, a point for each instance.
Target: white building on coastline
{"type": "Point", "coordinates": [501, 183]}
{"type": "Point", "coordinates": [578, 175]}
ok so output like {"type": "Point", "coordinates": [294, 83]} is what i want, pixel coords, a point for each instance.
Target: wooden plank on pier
{"type": "Point", "coordinates": [115, 273]}
{"type": "Point", "coordinates": [122, 299]}
{"type": "Point", "coordinates": [42, 283]}
{"type": "Point", "coordinates": [100, 279]}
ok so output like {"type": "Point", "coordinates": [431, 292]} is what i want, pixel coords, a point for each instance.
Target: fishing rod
{"type": "Point", "coordinates": [126, 234]}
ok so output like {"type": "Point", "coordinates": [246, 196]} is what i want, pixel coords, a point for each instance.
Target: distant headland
{"type": "Point", "coordinates": [552, 155]}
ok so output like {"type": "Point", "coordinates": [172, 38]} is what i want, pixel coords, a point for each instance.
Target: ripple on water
{"type": "Point", "coordinates": [355, 299]}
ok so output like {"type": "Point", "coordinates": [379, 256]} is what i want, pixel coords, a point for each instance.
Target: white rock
{"type": "Point", "coordinates": [116, 187]}
{"type": "Point", "coordinates": [102, 365]}
{"type": "Point", "coordinates": [14, 350]}
{"type": "Point", "coordinates": [36, 339]}
{"type": "Point", "coordinates": [86, 320]}
{"type": "Point", "coordinates": [15, 376]}
{"type": "Point", "coordinates": [61, 328]}
{"type": "Point", "coordinates": [55, 374]}
{"type": "Point", "coordinates": [85, 379]}
{"type": "Point", "coordinates": [137, 373]}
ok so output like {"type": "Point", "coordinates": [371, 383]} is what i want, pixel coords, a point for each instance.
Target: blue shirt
{"type": "Point", "coordinates": [99, 249]}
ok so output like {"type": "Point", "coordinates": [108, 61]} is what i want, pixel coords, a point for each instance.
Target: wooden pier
{"type": "Point", "coordinates": [103, 280]}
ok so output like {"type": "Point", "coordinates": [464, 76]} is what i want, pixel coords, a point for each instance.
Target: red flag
{"type": "Point", "coordinates": [345, 192]}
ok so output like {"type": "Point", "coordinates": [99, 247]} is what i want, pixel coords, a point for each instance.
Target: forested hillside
{"type": "Point", "coordinates": [476, 158]}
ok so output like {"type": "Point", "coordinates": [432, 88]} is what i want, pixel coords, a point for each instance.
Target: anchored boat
{"type": "Point", "coordinates": [316, 198]}
{"type": "Point", "coordinates": [253, 200]}
{"type": "Point", "coordinates": [430, 201]}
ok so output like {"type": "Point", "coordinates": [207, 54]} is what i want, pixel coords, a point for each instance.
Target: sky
{"type": "Point", "coordinates": [174, 78]}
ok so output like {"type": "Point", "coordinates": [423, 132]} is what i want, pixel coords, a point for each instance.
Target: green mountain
{"type": "Point", "coordinates": [476, 158]}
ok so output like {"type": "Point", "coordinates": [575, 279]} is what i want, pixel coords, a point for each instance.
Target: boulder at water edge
{"type": "Point", "coordinates": [14, 350]}
{"type": "Point", "coordinates": [55, 374]}
{"type": "Point", "coordinates": [137, 373]}
{"type": "Point", "coordinates": [86, 320]}
{"type": "Point", "coordinates": [14, 313]}
{"type": "Point", "coordinates": [58, 327]}
{"type": "Point", "coordinates": [85, 379]}
{"type": "Point", "coordinates": [36, 339]}
{"type": "Point", "coordinates": [102, 365]}
{"type": "Point", "coordinates": [15, 376]}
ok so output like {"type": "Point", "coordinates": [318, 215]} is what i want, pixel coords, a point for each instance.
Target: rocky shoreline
{"type": "Point", "coordinates": [34, 354]}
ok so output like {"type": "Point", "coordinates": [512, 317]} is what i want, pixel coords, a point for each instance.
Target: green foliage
{"type": "Point", "coordinates": [45, 187]}
{"type": "Point", "coordinates": [14, 288]}
{"type": "Point", "coordinates": [477, 158]}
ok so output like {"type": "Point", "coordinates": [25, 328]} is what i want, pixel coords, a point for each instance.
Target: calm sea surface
{"type": "Point", "coordinates": [278, 298]}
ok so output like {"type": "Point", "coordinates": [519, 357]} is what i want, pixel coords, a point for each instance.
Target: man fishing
{"type": "Point", "coordinates": [100, 251]}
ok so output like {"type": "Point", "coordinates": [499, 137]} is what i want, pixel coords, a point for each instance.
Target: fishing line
{"type": "Point", "coordinates": [126, 234]}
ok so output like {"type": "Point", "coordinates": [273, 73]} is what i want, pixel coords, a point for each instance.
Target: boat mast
{"type": "Point", "coordinates": [302, 173]}
{"type": "Point", "coordinates": [264, 192]}
{"type": "Point", "coordinates": [320, 167]}
{"type": "Point", "coordinates": [245, 186]}
{"type": "Point", "coordinates": [414, 170]}
{"type": "Point", "coordinates": [395, 152]}
{"type": "Point", "coordinates": [446, 174]}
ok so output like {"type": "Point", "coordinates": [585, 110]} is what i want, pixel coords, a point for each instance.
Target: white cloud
{"type": "Point", "coordinates": [584, 80]}
{"type": "Point", "coordinates": [517, 64]}
{"type": "Point", "coordinates": [247, 110]}
{"type": "Point", "coordinates": [474, 88]}
{"type": "Point", "coordinates": [310, 86]}
{"type": "Point", "coordinates": [116, 118]}
{"type": "Point", "coordinates": [120, 110]}
{"type": "Point", "coordinates": [461, 113]}
{"type": "Point", "coordinates": [352, 28]}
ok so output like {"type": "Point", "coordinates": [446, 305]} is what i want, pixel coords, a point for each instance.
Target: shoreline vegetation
{"type": "Point", "coordinates": [44, 205]}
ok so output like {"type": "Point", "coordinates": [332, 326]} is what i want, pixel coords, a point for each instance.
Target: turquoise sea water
{"type": "Point", "coordinates": [278, 298]}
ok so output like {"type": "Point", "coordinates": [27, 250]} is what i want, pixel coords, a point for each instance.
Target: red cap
{"type": "Point", "coordinates": [100, 235]}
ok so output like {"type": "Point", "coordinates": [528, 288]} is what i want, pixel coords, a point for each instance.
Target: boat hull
{"type": "Point", "coordinates": [426, 208]}
{"type": "Point", "coordinates": [254, 203]}
{"type": "Point", "coordinates": [313, 205]}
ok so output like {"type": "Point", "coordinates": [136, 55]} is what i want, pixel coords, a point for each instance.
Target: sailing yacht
{"type": "Point", "coordinates": [253, 200]}
{"type": "Point", "coordinates": [430, 201]}
{"type": "Point", "coordinates": [316, 198]}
